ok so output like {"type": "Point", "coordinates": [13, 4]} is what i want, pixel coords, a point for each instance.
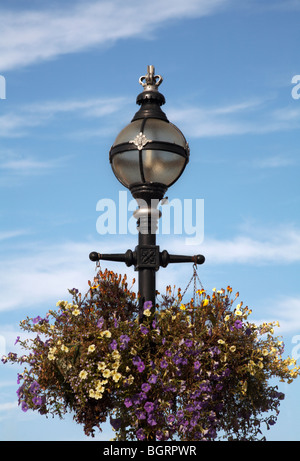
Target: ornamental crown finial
{"type": "Point", "coordinates": [150, 81]}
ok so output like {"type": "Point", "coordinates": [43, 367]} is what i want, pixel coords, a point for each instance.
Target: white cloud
{"type": "Point", "coordinates": [252, 116]}
{"type": "Point", "coordinates": [8, 406]}
{"type": "Point", "coordinates": [43, 273]}
{"type": "Point", "coordinates": [274, 161]}
{"type": "Point", "coordinates": [252, 244]}
{"type": "Point", "coordinates": [33, 36]}
{"type": "Point", "coordinates": [17, 123]}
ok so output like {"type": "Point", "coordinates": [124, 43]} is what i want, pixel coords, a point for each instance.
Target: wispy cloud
{"type": "Point", "coordinates": [253, 245]}
{"type": "Point", "coordinates": [44, 273]}
{"type": "Point", "coordinates": [35, 35]}
{"type": "Point", "coordinates": [245, 117]}
{"type": "Point", "coordinates": [5, 235]}
{"type": "Point", "coordinates": [274, 161]}
{"type": "Point", "coordinates": [19, 121]}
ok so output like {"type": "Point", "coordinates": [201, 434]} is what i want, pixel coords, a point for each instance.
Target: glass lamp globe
{"type": "Point", "coordinates": [149, 154]}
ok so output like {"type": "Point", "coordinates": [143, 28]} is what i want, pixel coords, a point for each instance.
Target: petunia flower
{"type": "Point", "coordinates": [147, 305]}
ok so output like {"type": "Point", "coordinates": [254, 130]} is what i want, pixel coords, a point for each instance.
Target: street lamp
{"type": "Point", "coordinates": [147, 157]}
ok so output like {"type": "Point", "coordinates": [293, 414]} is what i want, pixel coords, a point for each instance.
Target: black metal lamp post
{"type": "Point", "coordinates": [147, 157]}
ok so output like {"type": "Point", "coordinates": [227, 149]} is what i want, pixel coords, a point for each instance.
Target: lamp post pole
{"type": "Point", "coordinates": [148, 156]}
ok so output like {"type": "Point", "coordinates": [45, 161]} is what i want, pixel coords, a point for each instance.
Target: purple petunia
{"type": "Point", "coordinates": [152, 421]}
{"type": "Point", "coordinates": [37, 319]}
{"type": "Point", "coordinates": [140, 434]}
{"type": "Point", "coordinates": [114, 344]}
{"type": "Point", "coordinates": [100, 322]}
{"type": "Point", "coordinates": [140, 414]}
{"type": "Point", "coordinates": [144, 330]}
{"type": "Point", "coordinates": [37, 401]}
{"type": "Point", "coordinates": [238, 324]}
{"type": "Point", "coordinates": [197, 365]}
{"type": "Point", "coordinates": [24, 406]}
{"type": "Point", "coordinates": [146, 387]}
{"type": "Point", "coordinates": [124, 339]}
{"type": "Point", "coordinates": [170, 419]}
{"type": "Point", "coordinates": [147, 305]}
{"type": "Point", "coordinates": [149, 406]}
{"type": "Point", "coordinates": [128, 402]}
{"type": "Point", "coordinates": [163, 363]}
{"type": "Point", "coordinates": [152, 379]}
{"type": "Point", "coordinates": [141, 366]}
{"type": "Point", "coordinates": [34, 386]}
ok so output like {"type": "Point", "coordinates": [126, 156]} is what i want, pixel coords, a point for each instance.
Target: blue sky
{"type": "Point", "coordinates": [71, 72]}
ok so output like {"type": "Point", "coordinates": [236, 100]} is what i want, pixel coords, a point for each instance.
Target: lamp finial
{"type": "Point", "coordinates": [150, 81]}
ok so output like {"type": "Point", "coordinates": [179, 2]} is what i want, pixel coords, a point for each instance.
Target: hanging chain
{"type": "Point", "coordinates": [196, 278]}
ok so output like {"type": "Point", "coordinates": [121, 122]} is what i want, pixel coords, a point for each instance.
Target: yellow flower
{"type": "Point", "coordinates": [64, 348]}
{"type": "Point", "coordinates": [214, 289]}
{"type": "Point", "coordinates": [91, 348]}
{"type": "Point", "coordinates": [51, 356]}
{"type": "Point", "coordinates": [220, 341]}
{"type": "Point", "coordinates": [92, 393]}
{"type": "Point", "coordinates": [106, 373]}
{"type": "Point", "coordinates": [238, 312]}
{"type": "Point", "coordinates": [147, 312]}
{"type": "Point", "coordinates": [265, 352]}
{"type": "Point", "coordinates": [227, 318]}
{"type": "Point", "coordinates": [182, 307]}
{"type": "Point", "coordinates": [115, 354]}
{"type": "Point", "coordinates": [106, 333]}
{"type": "Point", "coordinates": [205, 302]}
{"type": "Point", "coordinates": [83, 374]}
{"type": "Point", "coordinates": [101, 366]}
{"type": "Point", "coordinates": [232, 348]}
{"type": "Point", "coordinates": [76, 312]}
{"type": "Point", "coordinates": [116, 376]}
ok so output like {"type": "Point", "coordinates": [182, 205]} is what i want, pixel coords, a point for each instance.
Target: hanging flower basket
{"type": "Point", "coordinates": [191, 371]}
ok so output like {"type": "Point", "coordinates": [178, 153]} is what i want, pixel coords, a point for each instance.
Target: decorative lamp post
{"type": "Point", "coordinates": [147, 157]}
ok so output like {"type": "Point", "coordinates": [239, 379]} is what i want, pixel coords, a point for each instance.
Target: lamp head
{"type": "Point", "coordinates": [149, 154]}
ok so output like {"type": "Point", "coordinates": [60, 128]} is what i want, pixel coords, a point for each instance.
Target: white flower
{"type": "Point", "coordinates": [83, 374]}
{"type": "Point", "coordinates": [91, 348]}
